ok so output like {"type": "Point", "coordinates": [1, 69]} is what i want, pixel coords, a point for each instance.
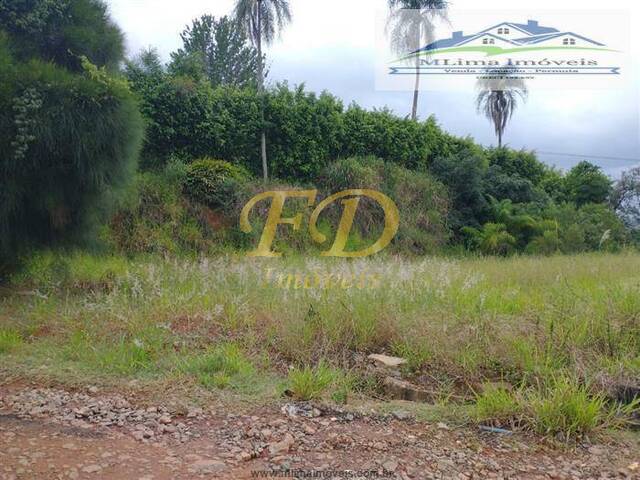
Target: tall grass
{"type": "Point", "coordinates": [462, 322]}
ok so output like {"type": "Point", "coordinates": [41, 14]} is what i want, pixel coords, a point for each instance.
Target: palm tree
{"type": "Point", "coordinates": [412, 25]}
{"type": "Point", "coordinates": [262, 20]}
{"type": "Point", "coordinates": [498, 99]}
{"type": "Point", "coordinates": [491, 239]}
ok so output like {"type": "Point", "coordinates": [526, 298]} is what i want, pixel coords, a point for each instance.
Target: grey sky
{"type": "Point", "coordinates": [330, 46]}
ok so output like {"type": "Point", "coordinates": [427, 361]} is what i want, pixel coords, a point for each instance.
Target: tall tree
{"type": "Point", "coordinates": [216, 49]}
{"type": "Point", "coordinates": [625, 198]}
{"type": "Point", "coordinates": [70, 131]}
{"type": "Point", "coordinates": [586, 183]}
{"type": "Point", "coordinates": [411, 25]}
{"type": "Point", "coordinates": [262, 20]}
{"type": "Point", "coordinates": [498, 99]}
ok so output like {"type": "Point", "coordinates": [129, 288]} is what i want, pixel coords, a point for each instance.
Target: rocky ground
{"type": "Point", "coordinates": [50, 434]}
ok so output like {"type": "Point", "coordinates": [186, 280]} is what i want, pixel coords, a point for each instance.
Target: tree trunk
{"type": "Point", "coordinates": [416, 89]}
{"type": "Point", "coordinates": [499, 139]}
{"type": "Point", "coordinates": [414, 110]}
{"type": "Point", "coordinates": [263, 135]}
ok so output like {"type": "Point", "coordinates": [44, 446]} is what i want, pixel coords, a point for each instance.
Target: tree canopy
{"type": "Point", "coordinates": [217, 50]}
{"type": "Point", "coordinates": [73, 130]}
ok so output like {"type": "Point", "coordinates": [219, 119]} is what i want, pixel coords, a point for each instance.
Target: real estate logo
{"type": "Point", "coordinates": [350, 200]}
{"type": "Point", "coordinates": [504, 39]}
{"type": "Point", "coordinates": [558, 51]}
{"type": "Point", "coordinates": [508, 37]}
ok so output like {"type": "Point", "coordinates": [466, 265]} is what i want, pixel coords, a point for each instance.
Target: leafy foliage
{"type": "Point", "coordinates": [62, 32]}
{"type": "Point", "coordinates": [215, 49]}
{"type": "Point", "coordinates": [422, 201]}
{"type": "Point", "coordinates": [189, 119]}
{"type": "Point", "coordinates": [70, 141]}
{"type": "Point", "coordinates": [211, 182]}
{"type": "Point", "coordinates": [492, 238]}
{"type": "Point", "coordinates": [463, 174]}
{"type": "Point", "coordinates": [585, 183]}
{"type": "Point", "coordinates": [625, 198]}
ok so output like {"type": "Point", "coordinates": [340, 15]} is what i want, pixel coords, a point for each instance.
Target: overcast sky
{"type": "Point", "coordinates": [331, 46]}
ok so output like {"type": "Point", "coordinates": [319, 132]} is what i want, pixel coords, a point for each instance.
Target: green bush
{"type": "Point", "coordinates": [463, 174]}
{"type": "Point", "coordinates": [69, 139]}
{"type": "Point", "coordinates": [491, 239]}
{"type": "Point", "coordinates": [9, 340]}
{"type": "Point", "coordinates": [423, 202]}
{"type": "Point", "coordinates": [501, 185]}
{"type": "Point", "coordinates": [189, 119]}
{"type": "Point", "coordinates": [310, 383]}
{"type": "Point", "coordinates": [518, 163]}
{"type": "Point", "coordinates": [212, 182]}
{"type": "Point", "coordinates": [62, 32]}
{"type": "Point", "coordinates": [586, 183]}
{"type": "Point", "coordinates": [156, 217]}
{"type": "Point", "coordinates": [305, 132]}
{"type": "Point", "coordinates": [220, 367]}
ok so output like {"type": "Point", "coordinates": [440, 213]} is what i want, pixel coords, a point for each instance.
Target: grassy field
{"type": "Point", "coordinates": [532, 343]}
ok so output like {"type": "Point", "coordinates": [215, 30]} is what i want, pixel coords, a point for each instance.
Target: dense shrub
{"type": "Point", "coordinates": [67, 143]}
{"type": "Point", "coordinates": [548, 230]}
{"type": "Point", "coordinates": [463, 174]}
{"type": "Point", "coordinates": [62, 32]}
{"type": "Point", "coordinates": [305, 131]}
{"type": "Point", "coordinates": [502, 186]}
{"type": "Point", "coordinates": [518, 163]}
{"type": "Point", "coordinates": [603, 229]}
{"type": "Point", "coordinates": [422, 201]}
{"type": "Point", "coordinates": [585, 183]}
{"type": "Point", "coordinates": [491, 239]}
{"type": "Point", "coordinates": [212, 182]}
{"type": "Point", "coordinates": [156, 218]}
{"type": "Point", "coordinates": [189, 119]}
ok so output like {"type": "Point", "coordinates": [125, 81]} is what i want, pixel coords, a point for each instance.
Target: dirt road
{"type": "Point", "coordinates": [53, 434]}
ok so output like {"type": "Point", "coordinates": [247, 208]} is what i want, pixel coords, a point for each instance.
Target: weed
{"type": "Point", "coordinates": [498, 406]}
{"type": "Point", "coordinates": [566, 409]}
{"type": "Point", "coordinates": [221, 367]}
{"type": "Point", "coordinates": [309, 383]}
{"type": "Point", "coordinates": [9, 340]}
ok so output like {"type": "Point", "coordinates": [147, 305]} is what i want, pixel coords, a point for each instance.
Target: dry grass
{"type": "Point", "coordinates": [458, 322]}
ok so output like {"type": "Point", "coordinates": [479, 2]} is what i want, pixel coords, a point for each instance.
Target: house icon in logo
{"type": "Point", "coordinates": [510, 35]}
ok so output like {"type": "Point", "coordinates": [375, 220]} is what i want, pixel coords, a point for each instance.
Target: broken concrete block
{"type": "Point", "coordinates": [403, 390]}
{"type": "Point", "coordinates": [386, 361]}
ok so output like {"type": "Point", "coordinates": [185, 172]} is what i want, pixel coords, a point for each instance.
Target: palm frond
{"type": "Point", "coordinates": [410, 29]}
{"type": "Point", "coordinates": [498, 100]}
{"type": "Point", "coordinates": [275, 15]}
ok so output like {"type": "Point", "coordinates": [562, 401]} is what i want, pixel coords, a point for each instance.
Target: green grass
{"type": "Point", "coordinates": [460, 323]}
{"type": "Point", "coordinates": [9, 340]}
{"type": "Point", "coordinates": [498, 406]}
{"type": "Point", "coordinates": [310, 383]}
{"type": "Point", "coordinates": [220, 367]}
{"type": "Point", "coordinates": [561, 407]}
{"type": "Point", "coordinates": [567, 408]}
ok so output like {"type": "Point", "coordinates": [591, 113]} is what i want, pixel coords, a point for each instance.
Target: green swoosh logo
{"type": "Point", "coordinates": [491, 51]}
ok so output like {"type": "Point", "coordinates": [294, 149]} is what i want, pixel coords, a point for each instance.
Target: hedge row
{"type": "Point", "coordinates": [189, 119]}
